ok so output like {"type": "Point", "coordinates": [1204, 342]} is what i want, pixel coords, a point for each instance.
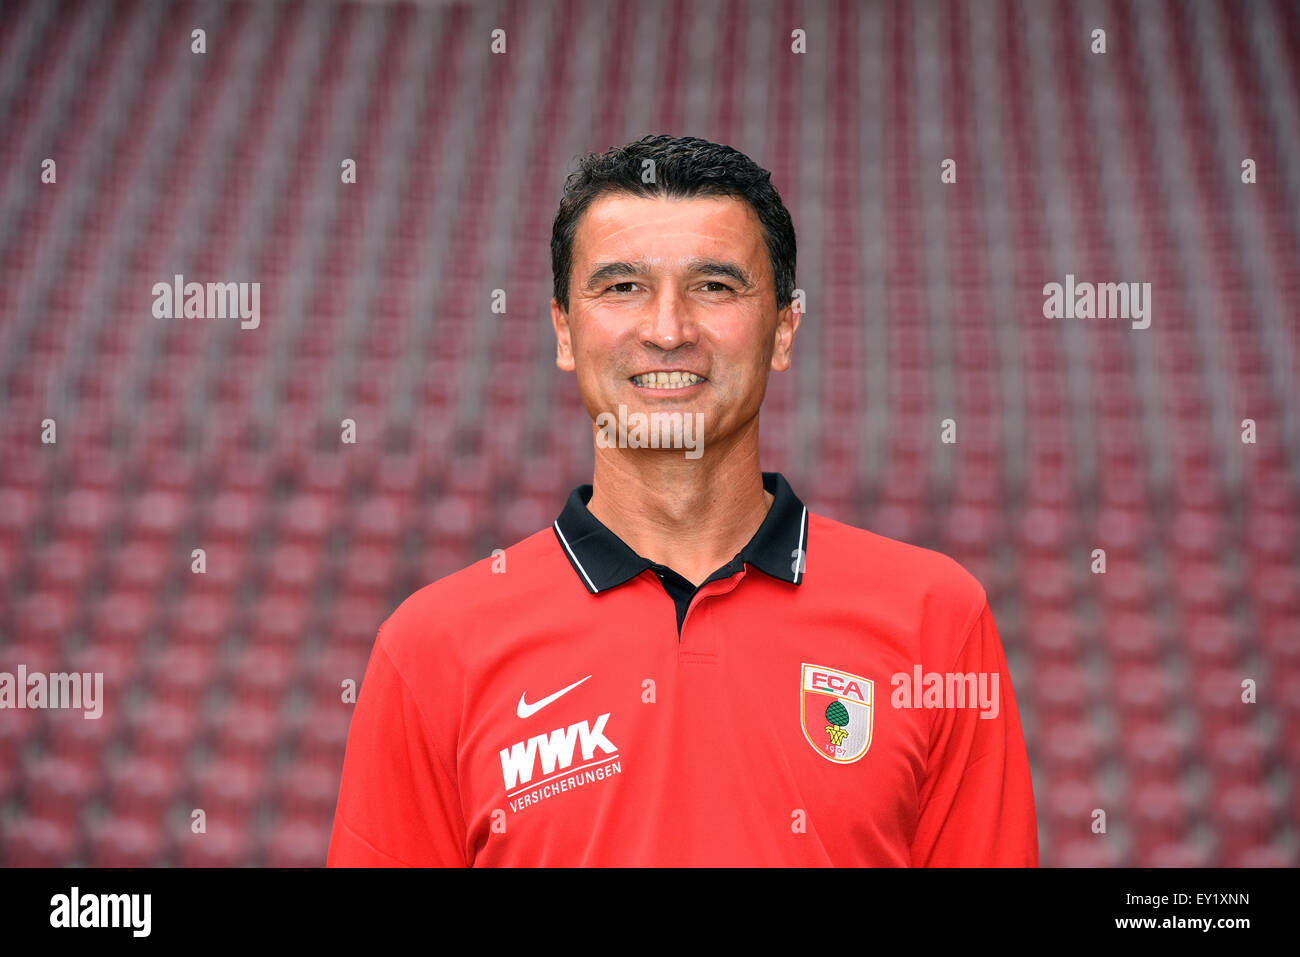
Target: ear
{"type": "Point", "coordinates": [787, 323]}
{"type": "Point", "coordinates": [563, 338]}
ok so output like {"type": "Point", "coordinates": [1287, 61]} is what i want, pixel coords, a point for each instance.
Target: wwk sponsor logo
{"type": "Point", "coordinates": [556, 753]}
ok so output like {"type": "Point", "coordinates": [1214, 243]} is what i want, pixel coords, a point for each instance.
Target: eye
{"type": "Point", "coordinates": [722, 286]}
{"type": "Point", "coordinates": [616, 285]}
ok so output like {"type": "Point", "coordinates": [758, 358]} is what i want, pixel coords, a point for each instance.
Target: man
{"type": "Point", "coordinates": [688, 668]}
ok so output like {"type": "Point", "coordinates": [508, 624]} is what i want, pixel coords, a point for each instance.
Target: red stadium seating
{"type": "Point", "coordinates": [1164, 689]}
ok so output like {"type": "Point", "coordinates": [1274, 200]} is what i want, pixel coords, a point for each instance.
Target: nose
{"type": "Point", "coordinates": [668, 325]}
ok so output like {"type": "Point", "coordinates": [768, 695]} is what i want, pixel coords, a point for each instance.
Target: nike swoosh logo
{"type": "Point", "coordinates": [526, 710]}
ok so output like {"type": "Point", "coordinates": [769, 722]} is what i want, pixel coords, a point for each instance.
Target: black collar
{"type": "Point", "coordinates": [603, 560]}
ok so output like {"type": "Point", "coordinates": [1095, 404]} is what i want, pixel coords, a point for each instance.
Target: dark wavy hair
{"type": "Point", "coordinates": [685, 166]}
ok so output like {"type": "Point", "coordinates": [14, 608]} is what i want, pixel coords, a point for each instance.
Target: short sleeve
{"type": "Point", "coordinates": [977, 799]}
{"type": "Point", "coordinates": [399, 804]}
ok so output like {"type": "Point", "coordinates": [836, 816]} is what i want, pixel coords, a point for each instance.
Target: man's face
{"type": "Point", "coordinates": [676, 286]}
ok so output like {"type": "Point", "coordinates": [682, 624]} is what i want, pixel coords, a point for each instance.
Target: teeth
{"type": "Point", "coordinates": [666, 380]}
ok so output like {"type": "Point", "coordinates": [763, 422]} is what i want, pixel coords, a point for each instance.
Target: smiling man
{"type": "Point", "coordinates": [687, 668]}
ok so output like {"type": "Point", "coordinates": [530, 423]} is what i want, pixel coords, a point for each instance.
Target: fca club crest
{"type": "Point", "coordinates": [835, 708]}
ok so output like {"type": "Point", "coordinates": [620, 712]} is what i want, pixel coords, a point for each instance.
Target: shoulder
{"type": "Point", "coordinates": [443, 614]}
{"type": "Point", "coordinates": [852, 556]}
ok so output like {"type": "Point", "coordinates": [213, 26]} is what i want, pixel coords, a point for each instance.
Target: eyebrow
{"type": "Point", "coordinates": [698, 267]}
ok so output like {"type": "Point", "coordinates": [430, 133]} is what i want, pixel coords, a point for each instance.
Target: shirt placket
{"type": "Point", "coordinates": [699, 644]}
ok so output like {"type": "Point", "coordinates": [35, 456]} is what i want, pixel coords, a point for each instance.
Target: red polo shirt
{"type": "Point", "coordinates": [545, 707]}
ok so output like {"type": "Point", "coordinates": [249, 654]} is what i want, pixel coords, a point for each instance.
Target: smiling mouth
{"type": "Point", "coordinates": [667, 380]}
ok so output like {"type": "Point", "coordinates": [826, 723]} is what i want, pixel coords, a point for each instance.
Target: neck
{"type": "Point", "coordinates": [693, 516]}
